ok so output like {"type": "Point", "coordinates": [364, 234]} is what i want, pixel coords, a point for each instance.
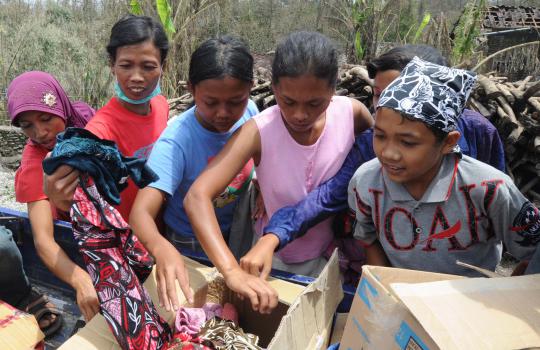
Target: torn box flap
{"type": "Point", "coordinates": [308, 321]}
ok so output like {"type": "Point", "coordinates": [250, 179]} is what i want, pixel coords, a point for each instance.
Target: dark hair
{"type": "Point", "coordinates": [440, 135]}
{"type": "Point", "coordinates": [398, 57]}
{"type": "Point", "coordinates": [131, 30]}
{"type": "Point", "coordinates": [305, 52]}
{"type": "Point", "coordinates": [219, 57]}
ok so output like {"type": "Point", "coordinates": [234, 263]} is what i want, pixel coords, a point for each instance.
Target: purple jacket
{"type": "Point", "coordinates": [479, 139]}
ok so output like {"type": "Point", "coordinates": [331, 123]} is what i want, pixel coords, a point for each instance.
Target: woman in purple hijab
{"type": "Point", "coordinates": [41, 108]}
{"type": "Point", "coordinates": [40, 92]}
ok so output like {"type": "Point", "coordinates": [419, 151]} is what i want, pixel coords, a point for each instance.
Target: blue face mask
{"type": "Point", "coordinates": [121, 95]}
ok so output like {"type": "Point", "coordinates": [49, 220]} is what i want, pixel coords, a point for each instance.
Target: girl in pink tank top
{"type": "Point", "coordinates": [295, 145]}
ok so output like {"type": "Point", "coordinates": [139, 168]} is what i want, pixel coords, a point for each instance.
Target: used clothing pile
{"type": "Point", "coordinates": [211, 328]}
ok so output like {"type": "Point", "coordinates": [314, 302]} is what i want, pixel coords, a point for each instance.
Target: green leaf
{"type": "Point", "coordinates": [164, 11]}
{"type": "Point", "coordinates": [358, 45]}
{"type": "Point", "coordinates": [423, 24]}
{"type": "Point", "coordinates": [467, 30]}
{"type": "Point", "coordinates": [136, 7]}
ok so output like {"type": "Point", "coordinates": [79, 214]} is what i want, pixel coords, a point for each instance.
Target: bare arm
{"type": "Point", "coordinates": [217, 175]}
{"type": "Point", "coordinates": [362, 118]}
{"type": "Point", "coordinates": [375, 255]}
{"type": "Point", "coordinates": [242, 146]}
{"type": "Point", "coordinates": [57, 261]}
{"type": "Point", "coordinates": [169, 262]}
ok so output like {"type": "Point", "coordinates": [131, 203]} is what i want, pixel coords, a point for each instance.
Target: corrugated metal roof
{"type": "Point", "coordinates": [507, 17]}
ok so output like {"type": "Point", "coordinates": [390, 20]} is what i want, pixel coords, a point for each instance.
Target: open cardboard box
{"type": "Point", "coordinates": [302, 320]}
{"type": "Point", "coordinates": [340, 321]}
{"type": "Point", "coordinates": [406, 309]}
{"type": "Point", "coordinates": [18, 330]}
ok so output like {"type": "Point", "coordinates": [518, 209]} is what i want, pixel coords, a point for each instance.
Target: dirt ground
{"type": "Point", "coordinates": [7, 190]}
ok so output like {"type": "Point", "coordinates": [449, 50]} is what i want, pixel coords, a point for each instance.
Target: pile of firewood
{"type": "Point", "coordinates": [179, 104]}
{"type": "Point", "coordinates": [353, 81]}
{"type": "Point", "coordinates": [513, 107]}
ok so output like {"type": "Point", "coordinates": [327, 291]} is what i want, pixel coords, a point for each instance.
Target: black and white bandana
{"type": "Point", "coordinates": [433, 94]}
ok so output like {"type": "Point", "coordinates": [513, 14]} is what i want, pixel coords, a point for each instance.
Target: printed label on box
{"type": "Point", "coordinates": [408, 340]}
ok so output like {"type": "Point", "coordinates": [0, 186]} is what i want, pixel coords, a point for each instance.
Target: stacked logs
{"type": "Point", "coordinates": [513, 107]}
{"type": "Point", "coordinates": [179, 104]}
{"type": "Point", "coordinates": [353, 81]}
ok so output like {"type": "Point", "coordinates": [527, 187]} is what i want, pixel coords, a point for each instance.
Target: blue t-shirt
{"type": "Point", "coordinates": [180, 154]}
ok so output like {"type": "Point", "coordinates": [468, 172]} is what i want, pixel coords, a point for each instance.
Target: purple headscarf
{"type": "Point", "coordinates": [40, 91]}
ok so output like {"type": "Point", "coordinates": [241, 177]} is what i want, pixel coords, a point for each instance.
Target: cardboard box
{"type": "Point", "coordinates": [339, 326]}
{"type": "Point", "coordinates": [406, 309]}
{"type": "Point", "coordinates": [18, 330]}
{"type": "Point", "coordinates": [302, 320]}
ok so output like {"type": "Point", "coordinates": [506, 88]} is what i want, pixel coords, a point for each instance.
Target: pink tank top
{"type": "Point", "coordinates": [288, 171]}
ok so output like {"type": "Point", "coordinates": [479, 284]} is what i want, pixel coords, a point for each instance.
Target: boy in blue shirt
{"type": "Point", "coordinates": [423, 205]}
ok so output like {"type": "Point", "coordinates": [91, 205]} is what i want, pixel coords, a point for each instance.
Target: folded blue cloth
{"type": "Point", "coordinates": [101, 160]}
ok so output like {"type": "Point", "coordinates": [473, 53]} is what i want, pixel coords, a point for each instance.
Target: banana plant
{"type": "Point", "coordinates": [165, 15]}
{"type": "Point", "coordinates": [135, 6]}
{"type": "Point", "coordinates": [468, 30]}
{"type": "Point", "coordinates": [421, 27]}
{"type": "Point", "coordinates": [360, 10]}
{"type": "Point", "coordinates": [164, 11]}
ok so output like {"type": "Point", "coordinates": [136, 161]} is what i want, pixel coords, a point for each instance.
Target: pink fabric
{"type": "Point", "coordinates": [186, 341]}
{"type": "Point", "coordinates": [288, 170]}
{"type": "Point", "coordinates": [212, 310]}
{"type": "Point", "coordinates": [189, 320]}
{"type": "Point", "coordinates": [230, 313]}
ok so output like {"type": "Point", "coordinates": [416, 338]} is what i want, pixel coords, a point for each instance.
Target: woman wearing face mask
{"type": "Point", "coordinates": [136, 116]}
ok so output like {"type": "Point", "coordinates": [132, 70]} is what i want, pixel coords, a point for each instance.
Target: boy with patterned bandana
{"type": "Point", "coordinates": [422, 204]}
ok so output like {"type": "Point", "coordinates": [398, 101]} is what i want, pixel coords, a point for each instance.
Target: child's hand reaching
{"type": "Point", "coordinates": [258, 261]}
{"type": "Point", "coordinates": [169, 268]}
{"type": "Point", "coordinates": [263, 298]}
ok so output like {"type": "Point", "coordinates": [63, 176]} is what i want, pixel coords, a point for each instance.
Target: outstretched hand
{"type": "Point", "coordinates": [262, 296]}
{"type": "Point", "coordinates": [258, 261]}
{"type": "Point", "coordinates": [170, 268]}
